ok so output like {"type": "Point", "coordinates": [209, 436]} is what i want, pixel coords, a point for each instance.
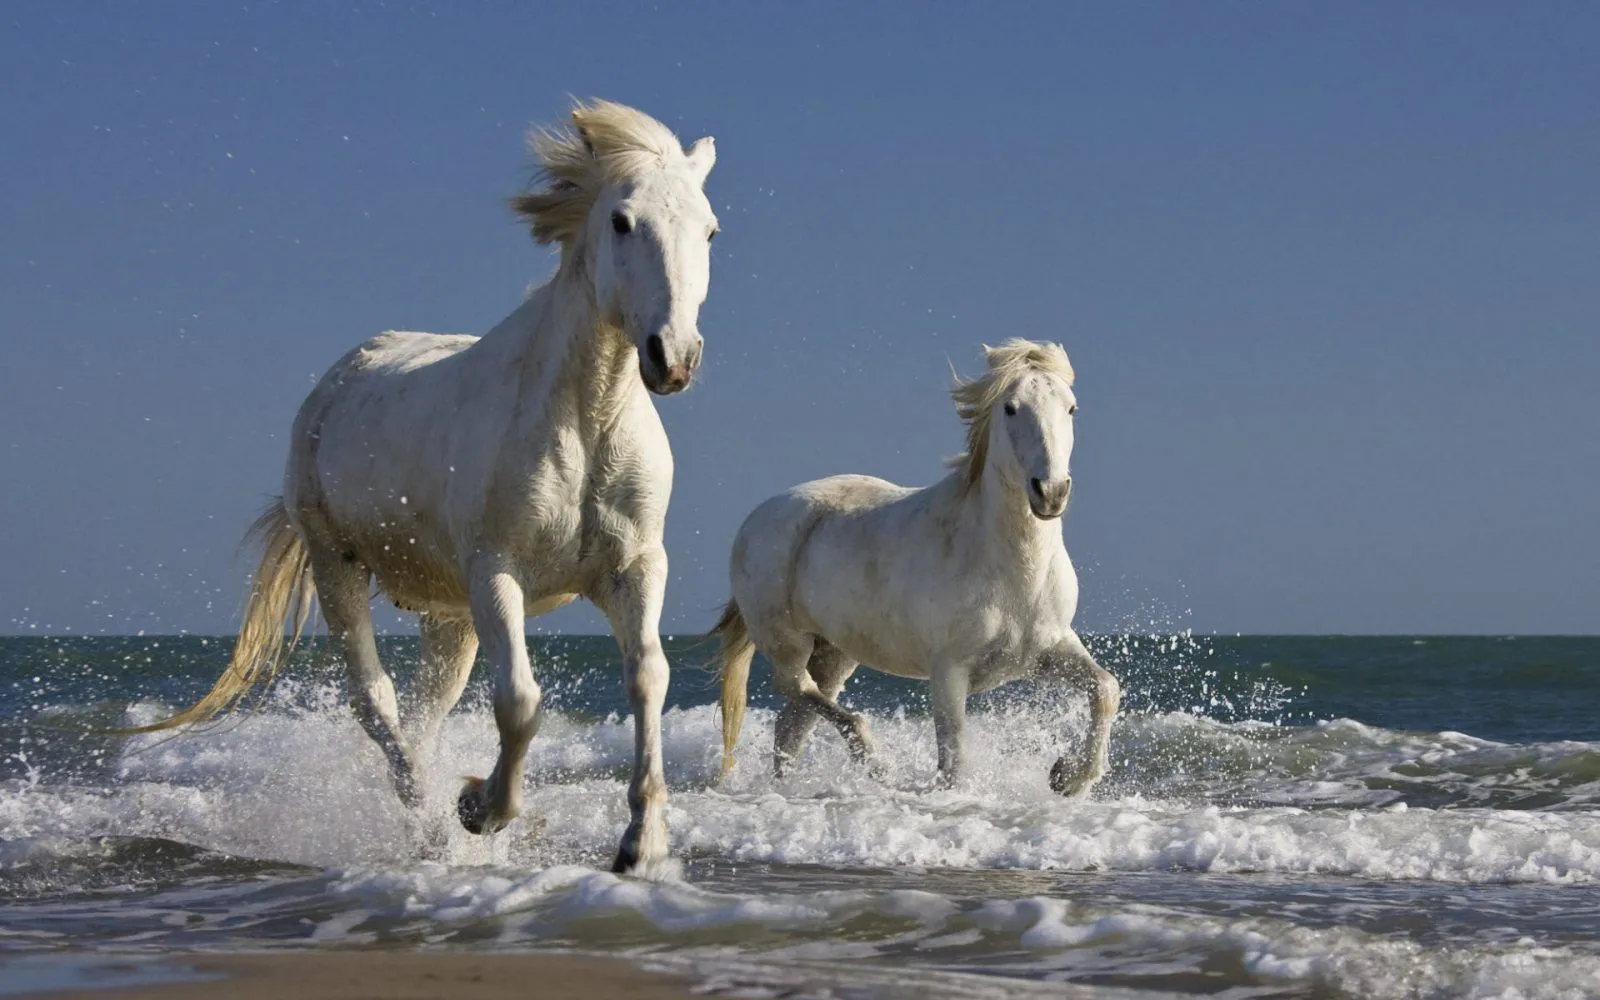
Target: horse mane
{"type": "Point", "coordinates": [606, 142]}
{"type": "Point", "coordinates": [976, 398]}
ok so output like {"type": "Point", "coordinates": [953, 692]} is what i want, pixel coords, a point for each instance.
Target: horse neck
{"type": "Point", "coordinates": [1005, 528]}
{"type": "Point", "coordinates": [561, 351]}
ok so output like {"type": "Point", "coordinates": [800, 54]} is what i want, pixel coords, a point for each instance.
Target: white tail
{"type": "Point", "coordinates": [737, 652]}
{"type": "Point", "coordinates": [281, 598]}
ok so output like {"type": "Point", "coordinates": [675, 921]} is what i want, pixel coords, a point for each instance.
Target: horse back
{"type": "Point", "coordinates": [820, 558]}
{"type": "Point", "coordinates": [372, 459]}
{"type": "Point", "coordinates": [895, 578]}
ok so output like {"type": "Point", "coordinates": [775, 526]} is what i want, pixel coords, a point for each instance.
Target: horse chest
{"type": "Point", "coordinates": [575, 520]}
{"type": "Point", "coordinates": [1002, 636]}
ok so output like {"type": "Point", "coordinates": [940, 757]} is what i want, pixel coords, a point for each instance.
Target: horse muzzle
{"type": "Point", "coordinates": [664, 375]}
{"type": "Point", "coordinates": [1048, 498]}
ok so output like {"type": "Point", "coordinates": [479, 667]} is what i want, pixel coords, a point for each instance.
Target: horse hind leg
{"type": "Point", "coordinates": [449, 646]}
{"type": "Point", "coordinates": [794, 724]}
{"type": "Point", "coordinates": [790, 655]}
{"type": "Point", "coordinates": [342, 589]}
{"type": "Point", "coordinates": [486, 806]}
{"type": "Point", "coordinates": [814, 694]}
{"type": "Point", "coordinates": [633, 607]}
{"type": "Point", "coordinates": [830, 668]}
{"type": "Point", "coordinates": [853, 727]}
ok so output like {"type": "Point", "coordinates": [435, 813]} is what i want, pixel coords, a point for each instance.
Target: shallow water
{"type": "Point", "coordinates": [1254, 838]}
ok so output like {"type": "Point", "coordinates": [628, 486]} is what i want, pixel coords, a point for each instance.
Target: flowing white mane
{"type": "Point", "coordinates": [976, 398]}
{"type": "Point", "coordinates": [606, 142]}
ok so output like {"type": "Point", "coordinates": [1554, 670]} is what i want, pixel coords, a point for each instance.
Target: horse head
{"type": "Point", "coordinates": [626, 202]}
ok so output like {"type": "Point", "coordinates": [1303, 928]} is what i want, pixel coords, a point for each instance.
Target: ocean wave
{"type": "Point", "coordinates": [307, 786]}
{"type": "Point", "coordinates": [1039, 937]}
{"type": "Point", "coordinates": [792, 881]}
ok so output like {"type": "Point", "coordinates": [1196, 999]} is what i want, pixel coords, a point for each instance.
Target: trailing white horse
{"type": "Point", "coordinates": [480, 481]}
{"type": "Point", "coordinates": [965, 583]}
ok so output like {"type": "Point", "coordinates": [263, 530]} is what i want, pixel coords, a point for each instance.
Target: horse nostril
{"type": "Point", "coordinates": [657, 352]}
{"type": "Point", "coordinates": [1037, 486]}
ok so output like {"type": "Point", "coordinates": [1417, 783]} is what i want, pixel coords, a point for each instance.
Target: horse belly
{"type": "Point", "coordinates": [1002, 667]}
{"type": "Point", "coordinates": [417, 572]}
{"type": "Point", "coordinates": [847, 603]}
{"type": "Point", "coordinates": [420, 571]}
{"type": "Point", "coordinates": [379, 500]}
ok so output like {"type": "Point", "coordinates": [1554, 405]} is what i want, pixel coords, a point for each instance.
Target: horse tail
{"type": "Point", "coordinates": [282, 595]}
{"type": "Point", "coordinates": [737, 652]}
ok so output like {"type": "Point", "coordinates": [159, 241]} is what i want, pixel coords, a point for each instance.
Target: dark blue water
{"type": "Point", "coordinates": [1510, 689]}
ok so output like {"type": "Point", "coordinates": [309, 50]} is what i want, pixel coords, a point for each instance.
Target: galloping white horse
{"type": "Point", "coordinates": [965, 583]}
{"type": "Point", "coordinates": [484, 480]}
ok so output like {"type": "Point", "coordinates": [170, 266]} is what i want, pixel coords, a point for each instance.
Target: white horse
{"type": "Point", "coordinates": [965, 583]}
{"type": "Point", "coordinates": [480, 481]}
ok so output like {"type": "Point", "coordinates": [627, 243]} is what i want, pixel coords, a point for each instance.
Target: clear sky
{"type": "Point", "coordinates": [1329, 273]}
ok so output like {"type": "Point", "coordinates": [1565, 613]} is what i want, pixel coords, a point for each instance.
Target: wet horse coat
{"type": "Point", "coordinates": [479, 481]}
{"type": "Point", "coordinates": [965, 584]}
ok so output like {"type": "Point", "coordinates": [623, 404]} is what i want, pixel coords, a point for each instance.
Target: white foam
{"type": "Point", "coordinates": [309, 787]}
{"type": "Point", "coordinates": [1358, 963]}
{"type": "Point", "coordinates": [1059, 936]}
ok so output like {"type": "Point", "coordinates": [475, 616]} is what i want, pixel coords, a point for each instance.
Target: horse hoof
{"type": "Point", "coordinates": [1069, 781]}
{"type": "Point", "coordinates": [643, 859]}
{"type": "Point", "coordinates": [782, 764]}
{"type": "Point", "coordinates": [408, 788]}
{"type": "Point", "coordinates": [472, 806]}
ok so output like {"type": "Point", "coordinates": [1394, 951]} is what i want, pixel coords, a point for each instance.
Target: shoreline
{"type": "Point", "coordinates": [352, 975]}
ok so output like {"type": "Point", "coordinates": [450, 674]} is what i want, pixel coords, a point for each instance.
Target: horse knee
{"type": "Point", "coordinates": [516, 705]}
{"type": "Point", "coordinates": [794, 722]}
{"type": "Point", "coordinates": [792, 681]}
{"type": "Point", "coordinates": [648, 789]}
{"type": "Point", "coordinates": [1108, 692]}
{"type": "Point", "coordinates": [648, 677]}
{"type": "Point", "coordinates": [373, 700]}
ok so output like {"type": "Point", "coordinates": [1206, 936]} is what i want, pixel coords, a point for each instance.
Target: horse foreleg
{"type": "Point", "coordinates": [633, 607]}
{"type": "Point", "coordinates": [1071, 663]}
{"type": "Point", "coordinates": [497, 614]}
{"type": "Point", "coordinates": [949, 686]}
{"type": "Point", "coordinates": [342, 591]}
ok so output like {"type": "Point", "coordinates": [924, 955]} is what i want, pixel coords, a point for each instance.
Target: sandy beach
{"type": "Point", "coordinates": [389, 975]}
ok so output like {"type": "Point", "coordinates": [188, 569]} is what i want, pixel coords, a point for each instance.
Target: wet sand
{"type": "Point", "coordinates": [389, 975]}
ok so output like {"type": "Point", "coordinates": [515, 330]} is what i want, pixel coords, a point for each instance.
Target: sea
{"type": "Point", "coordinates": [1284, 817]}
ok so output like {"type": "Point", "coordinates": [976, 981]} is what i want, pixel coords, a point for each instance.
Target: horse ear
{"type": "Point", "coordinates": [702, 157]}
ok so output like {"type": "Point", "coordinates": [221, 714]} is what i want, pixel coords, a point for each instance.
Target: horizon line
{"type": "Point", "coordinates": [1184, 633]}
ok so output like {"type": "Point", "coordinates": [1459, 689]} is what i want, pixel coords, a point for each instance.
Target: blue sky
{"type": "Point", "coordinates": [1330, 275]}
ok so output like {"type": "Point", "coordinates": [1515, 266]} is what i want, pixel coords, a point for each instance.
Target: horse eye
{"type": "Point", "coordinates": [1011, 409]}
{"type": "Point", "coordinates": [620, 224]}
{"type": "Point", "coordinates": [1072, 409]}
